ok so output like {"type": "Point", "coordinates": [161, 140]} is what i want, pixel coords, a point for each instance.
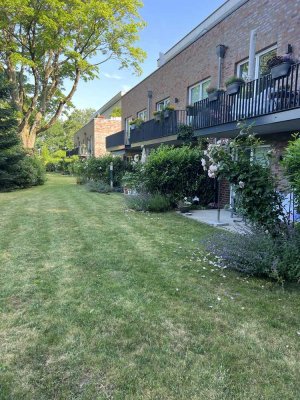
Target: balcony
{"type": "Point", "coordinates": [271, 105]}
{"type": "Point", "coordinates": [115, 141]}
{"type": "Point", "coordinates": [155, 132]}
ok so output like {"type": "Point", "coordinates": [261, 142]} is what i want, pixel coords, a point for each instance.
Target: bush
{"type": "Point", "coordinates": [258, 253]}
{"type": "Point", "coordinates": [97, 169]}
{"type": "Point", "coordinates": [176, 172]}
{"type": "Point", "coordinates": [148, 202]}
{"type": "Point", "coordinates": [31, 172]}
{"type": "Point", "coordinates": [98, 186]}
{"type": "Point", "coordinates": [291, 162]}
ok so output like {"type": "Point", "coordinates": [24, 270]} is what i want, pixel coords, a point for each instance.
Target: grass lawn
{"type": "Point", "coordinates": [98, 302]}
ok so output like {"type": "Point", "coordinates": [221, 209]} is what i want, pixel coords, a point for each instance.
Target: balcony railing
{"type": "Point", "coordinates": [256, 98]}
{"type": "Point", "coordinates": [73, 152]}
{"type": "Point", "coordinates": [115, 140]}
{"type": "Point", "coordinates": [153, 129]}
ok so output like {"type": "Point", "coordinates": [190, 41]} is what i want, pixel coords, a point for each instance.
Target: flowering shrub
{"type": "Point", "coordinates": [252, 180]}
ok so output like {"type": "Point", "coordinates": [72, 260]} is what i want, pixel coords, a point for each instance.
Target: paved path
{"type": "Point", "coordinates": [210, 217]}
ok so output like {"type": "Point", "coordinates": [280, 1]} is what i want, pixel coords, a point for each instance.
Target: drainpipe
{"type": "Point", "coordinates": [252, 50]}
{"type": "Point", "coordinates": [149, 93]}
{"type": "Point", "coordinates": [220, 50]}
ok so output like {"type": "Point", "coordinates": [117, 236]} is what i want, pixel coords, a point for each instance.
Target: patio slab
{"type": "Point", "coordinates": [210, 217]}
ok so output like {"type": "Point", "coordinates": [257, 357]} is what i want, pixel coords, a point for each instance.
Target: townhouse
{"type": "Point", "coordinates": [238, 39]}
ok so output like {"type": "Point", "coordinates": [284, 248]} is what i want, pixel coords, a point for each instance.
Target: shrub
{"type": "Point", "coordinates": [97, 169]}
{"type": "Point", "coordinates": [291, 162]}
{"type": "Point", "coordinates": [98, 186]}
{"type": "Point", "coordinates": [31, 172]}
{"type": "Point", "coordinates": [176, 172]}
{"type": "Point", "coordinates": [258, 253]}
{"type": "Point", "coordinates": [148, 202]}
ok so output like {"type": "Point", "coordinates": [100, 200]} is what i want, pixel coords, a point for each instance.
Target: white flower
{"type": "Point", "coordinates": [211, 174]}
{"type": "Point", "coordinates": [219, 142]}
{"type": "Point", "coordinates": [241, 184]}
{"type": "Point", "coordinates": [213, 168]}
{"type": "Point", "coordinates": [203, 162]}
{"type": "Point", "coordinates": [205, 152]}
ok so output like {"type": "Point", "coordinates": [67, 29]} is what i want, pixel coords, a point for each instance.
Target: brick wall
{"type": "Point", "coordinates": [96, 131]}
{"type": "Point", "coordinates": [277, 21]}
{"type": "Point", "coordinates": [104, 128]}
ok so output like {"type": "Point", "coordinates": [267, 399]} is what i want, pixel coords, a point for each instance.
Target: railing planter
{"type": "Point", "coordinates": [166, 114]}
{"type": "Point", "coordinates": [214, 96]}
{"type": "Point", "coordinates": [234, 88]}
{"type": "Point", "coordinates": [189, 111]}
{"type": "Point", "coordinates": [157, 116]}
{"type": "Point", "coordinates": [281, 70]}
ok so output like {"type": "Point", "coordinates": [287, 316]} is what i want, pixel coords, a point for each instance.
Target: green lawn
{"type": "Point", "coordinates": [98, 302]}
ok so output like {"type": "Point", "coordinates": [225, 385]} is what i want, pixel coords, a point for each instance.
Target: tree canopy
{"type": "Point", "coordinates": [45, 44]}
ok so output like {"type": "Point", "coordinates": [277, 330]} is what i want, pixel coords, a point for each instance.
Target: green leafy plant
{"type": "Point", "coordinates": [148, 202]}
{"type": "Point", "coordinates": [185, 133]}
{"type": "Point", "coordinates": [98, 186]}
{"type": "Point", "coordinates": [234, 79]}
{"type": "Point", "coordinates": [291, 162]}
{"type": "Point", "coordinates": [136, 122]}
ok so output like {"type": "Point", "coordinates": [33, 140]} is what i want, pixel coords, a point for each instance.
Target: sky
{"type": "Point", "coordinates": [168, 21]}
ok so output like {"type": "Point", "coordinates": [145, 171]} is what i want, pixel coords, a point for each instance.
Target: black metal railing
{"type": "Point", "coordinates": [166, 125]}
{"type": "Point", "coordinates": [73, 152]}
{"type": "Point", "coordinates": [256, 98]}
{"type": "Point", "coordinates": [116, 139]}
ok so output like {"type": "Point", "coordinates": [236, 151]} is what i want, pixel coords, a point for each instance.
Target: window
{"type": "Point", "coordinates": [261, 60]}
{"type": "Point", "coordinates": [142, 114]}
{"type": "Point", "coordinates": [198, 91]}
{"type": "Point", "coordinates": [127, 124]}
{"type": "Point", "coordinates": [162, 104]}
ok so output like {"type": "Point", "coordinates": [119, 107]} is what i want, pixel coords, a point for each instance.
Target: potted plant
{"type": "Point", "coordinates": [189, 110]}
{"type": "Point", "coordinates": [280, 66]}
{"type": "Point", "coordinates": [213, 93]}
{"type": "Point", "coordinates": [233, 85]}
{"type": "Point", "coordinates": [157, 115]}
{"type": "Point", "coordinates": [167, 111]}
{"type": "Point", "coordinates": [184, 205]}
{"type": "Point", "coordinates": [136, 123]}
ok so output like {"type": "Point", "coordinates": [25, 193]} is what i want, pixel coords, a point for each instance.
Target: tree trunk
{"type": "Point", "coordinates": [28, 136]}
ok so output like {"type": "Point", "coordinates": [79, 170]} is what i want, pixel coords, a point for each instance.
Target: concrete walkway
{"type": "Point", "coordinates": [210, 217]}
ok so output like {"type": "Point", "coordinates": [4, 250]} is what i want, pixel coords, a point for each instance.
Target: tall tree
{"type": "Point", "coordinates": [60, 135]}
{"type": "Point", "coordinates": [46, 43]}
{"type": "Point", "coordinates": [11, 152]}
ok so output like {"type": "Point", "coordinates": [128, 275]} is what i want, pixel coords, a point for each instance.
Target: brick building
{"type": "Point", "coordinates": [237, 39]}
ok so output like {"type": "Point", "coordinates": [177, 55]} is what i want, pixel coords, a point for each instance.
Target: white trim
{"type": "Point", "coordinates": [165, 102]}
{"type": "Point", "coordinates": [200, 83]}
{"type": "Point", "coordinates": [143, 114]}
{"type": "Point", "coordinates": [257, 57]}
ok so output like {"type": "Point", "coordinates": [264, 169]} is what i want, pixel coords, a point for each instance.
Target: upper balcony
{"type": "Point", "coordinates": [116, 141]}
{"type": "Point", "coordinates": [161, 130]}
{"type": "Point", "coordinates": [272, 105]}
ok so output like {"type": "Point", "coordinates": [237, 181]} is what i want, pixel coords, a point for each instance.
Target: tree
{"type": "Point", "coordinates": [60, 135]}
{"type": "Point", "coordinates": [46, 43]}
{"type": "Point", "coordinates": [11, 152]}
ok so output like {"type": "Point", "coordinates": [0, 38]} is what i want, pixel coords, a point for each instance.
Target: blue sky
{"type": "Point", "coordinates": [167, 22]}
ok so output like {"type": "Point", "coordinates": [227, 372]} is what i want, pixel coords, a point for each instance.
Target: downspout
{"type": "Point", "coordinates": [252, 51]}
{"type": "Point", "coordinates": [220, 50]}
{"type": "Point", "coordinates": [149, 94]}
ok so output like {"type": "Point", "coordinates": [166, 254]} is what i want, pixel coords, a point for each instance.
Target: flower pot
{"type": "Point", "coordinates": [189, 111]}
{"type": "Point", "coordinates": [157, 117]}
{"type": "Point", "coordinates": [281, 70]}
{"type": "Point", "coordinates": [233, 88]}
{"type": "Point", "coordinates": [166, 114]}
{"type": "Point", "coordinates": [214, 95]}
{"type": "Point", "coordinates": [132, 126]}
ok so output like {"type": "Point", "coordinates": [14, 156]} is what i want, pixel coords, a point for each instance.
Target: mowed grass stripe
{"type": "Point", "coordinates": [99, 302]}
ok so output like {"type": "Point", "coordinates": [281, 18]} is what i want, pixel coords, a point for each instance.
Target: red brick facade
{"type": "Point", "coordinates": [277, 23]}
{"type": "Point", "coordinates": [92, 136]}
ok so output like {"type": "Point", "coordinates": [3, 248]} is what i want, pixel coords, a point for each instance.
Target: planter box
{"type": "Point", "coordinates": [167, 113]}
{"type": "Point", "coordinates": [214, 95]}
{"type": "Point", "coordinates": [132, 127]}
{"type": "Point", "coordinates": [281, 70]}
{"type": "Point", "coordinates": [189, 111]}
{"type": "Point", "coordinates": [157, 117]}
{"type": "Point", "coordinates": [233, 88]}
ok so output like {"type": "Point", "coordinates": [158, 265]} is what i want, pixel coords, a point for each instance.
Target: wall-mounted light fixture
{"type": "Point", "coordinates": [149, 93]}
{"type": "Point", "coordinates": [176, 100]}
{"type": "Point", "coordinates": [221, 50]}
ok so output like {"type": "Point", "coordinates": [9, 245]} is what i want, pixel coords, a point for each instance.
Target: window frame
{"type": "Point", "coordinates": [257, 57]}
{"type": "Point", "coordinates": [200, 83]}
{"type": "Point", "coordinates": [165, 102]}
{"type": "Point", "coordinates": [143, 112]}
